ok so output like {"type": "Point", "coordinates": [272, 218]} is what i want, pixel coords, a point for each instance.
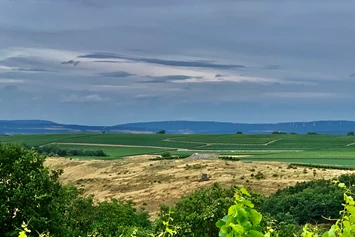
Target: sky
{"type": "Point", "coordinates": [106, 62]}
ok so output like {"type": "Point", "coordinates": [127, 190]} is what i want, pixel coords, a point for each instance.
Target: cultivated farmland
{"type": "Point", "coordinates": [315, 149]}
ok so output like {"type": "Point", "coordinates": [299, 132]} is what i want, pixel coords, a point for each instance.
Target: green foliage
{"type": "Point", "coordinates": [197, 213]}
{"type": "Point", "coordinates": [54, 149]}
{"type": "Point", "coordinates": [242, 219]}
{"type": "Point", "coordinates": [31, 193]}
{"type": "Point", "coordinates": [278, 132]}
{"type": "Point", "coordinates": [260, 175]}
{"type": "Point", "coordinates": [334, 167]}
{"type": "Point", "coordinates": [350, 134]}
{"type": "Point", "coordinates": [166, 155]}
{"type": "Point", "coordinates": [161, 132]}
{"type": "Point", "coordinates": [233, 158]}
{"type": "Point", "coordinates": [239, 133]}
{"type": "Point", "coordinates": [305, 202]}
{"type": "Point", "coordinates": [114, 218]}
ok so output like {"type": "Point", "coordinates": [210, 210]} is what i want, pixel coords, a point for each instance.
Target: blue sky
{"type": "Point", "coordinates": [103, 62]}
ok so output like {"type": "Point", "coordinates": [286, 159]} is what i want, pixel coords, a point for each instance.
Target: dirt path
{"type": "Point", "coordinates": [273, 141]}
{"type": "Point", "coordinates": [151, 183]}
{"type": "Point", "coordinates": [221, 143]}
{"type": "Point", "coordinates": [351, 144]}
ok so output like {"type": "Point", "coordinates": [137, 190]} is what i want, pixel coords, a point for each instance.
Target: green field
{"type": "Point", "coordinates": [315, 149]}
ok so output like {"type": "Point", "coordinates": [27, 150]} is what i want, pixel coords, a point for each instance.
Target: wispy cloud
{"type": "Point", "coordinates": [115, 74]}
{"type": "Point", "coordinates": [165, 62]}
{"type": "Point", "coordinates": [304, 95]}
{"type": "Point", "coordinates": [82, 99]}
{"type": "Point", "coordinates": [11, 81]}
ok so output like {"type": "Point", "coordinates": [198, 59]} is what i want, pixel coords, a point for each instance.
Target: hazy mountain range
{"type": "Point", "coordinates": [178, 127]}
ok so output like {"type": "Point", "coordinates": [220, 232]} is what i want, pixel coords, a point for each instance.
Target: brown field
{"type": "Point", "coordinates": [151, 183]}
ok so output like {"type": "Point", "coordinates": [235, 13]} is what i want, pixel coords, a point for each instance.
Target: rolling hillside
{"type": "Point", "coordinates": [178, 127]}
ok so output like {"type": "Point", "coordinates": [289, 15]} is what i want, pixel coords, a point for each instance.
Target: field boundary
{"type": "Point", "coordinates": [174, 148]}
{"type": "Point", "coordinates": [112, 145]}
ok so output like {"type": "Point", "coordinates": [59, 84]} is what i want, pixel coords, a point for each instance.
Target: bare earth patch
{"type": "Point", "coordinates": [151, 183]}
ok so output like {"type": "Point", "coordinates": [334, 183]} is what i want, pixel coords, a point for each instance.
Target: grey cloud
{"type": "Point", "coordinates": [176, 63]}
{"type": "Point", "coordinates": [352, 75]}
{"type": "Point", "coordinates": [115, 74]}
{"type": "Point", "coordinates": [168, 79]}
{"type": "Point", "coordinates": [271, 67]}
{"type": "Point", "coordinates": [71, 62]}
{"type": "Point", "coordinates": [10, 88]}
{"type": "Point", "coordinates": [259, 34]}
{"type": "Point", "coordinates": [144, 97]}
{"type": "Point", "coordinates": [31, 70]}
{"type": "Point", "coordinates": [82, 99]}
{"type": "Point", "coordinates": [28, 64]}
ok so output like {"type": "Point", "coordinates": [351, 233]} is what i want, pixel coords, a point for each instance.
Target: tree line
{"type": "Point", "coordinates": [55, 150]}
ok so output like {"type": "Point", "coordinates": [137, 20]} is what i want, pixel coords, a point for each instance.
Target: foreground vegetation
{"type": "Point", "coordinates": [31, 194]}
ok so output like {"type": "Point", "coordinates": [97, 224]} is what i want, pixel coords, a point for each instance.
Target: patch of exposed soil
{"type": "Point", "coordinates": [151, 183]}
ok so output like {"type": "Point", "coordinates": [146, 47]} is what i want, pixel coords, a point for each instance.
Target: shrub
{"type": "Point", "coordinates": [306, 202]}
{"type": "Point", "coordinates": [166, 154]}
{"type": "Point", "coordinates": [197, 213]}
{"type": "Point", "coordinates": [260, 175]}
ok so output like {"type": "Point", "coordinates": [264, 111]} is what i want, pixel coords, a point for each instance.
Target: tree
{"type": "Point", "coordinates": [197, 213]}
{"type": "Point", "coordinates": [351, 134]}
{"type": "Point", "coordinates": [161, 132]}
{"type": "Point", "coordinates": [239, 133]}
{"type": "Point", "coordinates": [305, 202]}
{"type": "Point", "coordinates": [29, 192]}
{"type": "Point", "coordinates": [166, 155]}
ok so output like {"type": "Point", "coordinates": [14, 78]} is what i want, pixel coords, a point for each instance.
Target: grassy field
{"type": "Point", "coordinates": [316, 149]}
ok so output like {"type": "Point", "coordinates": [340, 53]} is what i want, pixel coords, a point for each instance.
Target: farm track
{"type": "Point", "coordinates": [351, 144]}
{"type": "Point", "coordinates": [222, 143]}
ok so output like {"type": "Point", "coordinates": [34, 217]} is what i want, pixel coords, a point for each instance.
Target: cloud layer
{"type": "Point", "coordinates": [116, 61]}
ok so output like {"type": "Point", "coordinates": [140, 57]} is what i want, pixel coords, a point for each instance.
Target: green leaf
{"type": "Point", "coordinates": [220, 223]}
{"type": "Point", "coordinates": [255, 217]}
{"type": "Point", "coordinates": [245, 192]}
{"type": "Point", "coordinates": [254, 233]}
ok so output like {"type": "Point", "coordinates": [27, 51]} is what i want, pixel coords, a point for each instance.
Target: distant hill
{"type": "Point", "coordinates": [178, 127]}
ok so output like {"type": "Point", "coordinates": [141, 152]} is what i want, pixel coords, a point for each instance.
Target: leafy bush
{"type": "Point", "coordinates": [52, 150]}
{"type": "Point", "coordinates": [197, 213]}
{"type": "Point", "coordinates": [335, 167]}
{"type": "Point", "coordinates": [244, 220]}
{"type": "Point", "coordinates": [31, 193]}
{"type": "Point", "coordinates": [304, 203]}
{"type": "Point", "coordinates": [233, 158]}
{"type": "Point", "coordinates": [166, 155]}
